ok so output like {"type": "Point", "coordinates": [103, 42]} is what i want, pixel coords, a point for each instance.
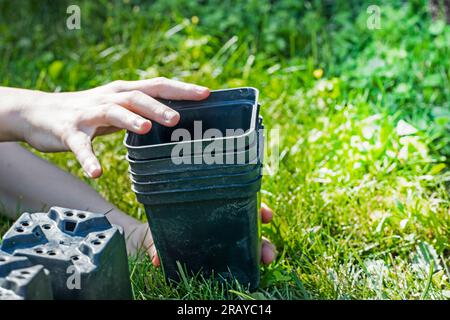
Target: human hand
{"type": "Point", "coordinates": [69, 121]}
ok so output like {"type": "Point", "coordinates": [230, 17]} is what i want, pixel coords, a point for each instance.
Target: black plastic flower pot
{"type": "Point", "coordinates": [213, 180]}
{"type": "Point", "coordinates": [231, 113]}
{"type": "Point", "coordinates": [158, 169]}
{"type": "Point", "coordinates": [227, 169]}
{"type": "Point", "coordinates": [192, 163]}
{"type": "Point", "coordinates": [213, 231]}
{"type": "Point", "coordinates": [198, 194]}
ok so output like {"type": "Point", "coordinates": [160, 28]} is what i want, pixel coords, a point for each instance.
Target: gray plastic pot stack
{"type": "Point", "coordinates": [204, 216]}
{"type": "Point", "coordinates": [84, 254]}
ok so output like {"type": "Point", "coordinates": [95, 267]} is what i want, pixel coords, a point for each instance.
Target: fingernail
{"type": "Point", "coordinates": [201, 89]}
{"type": "Point", "coordinates": [138, 123]}
{"type": "Point", "coordinates": [169, 115]}
{"type": "Point", "coordinates": [92, 168]}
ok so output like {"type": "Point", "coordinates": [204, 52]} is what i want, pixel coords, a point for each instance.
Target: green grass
{"type": "Point", "coordinates": [361, 211]}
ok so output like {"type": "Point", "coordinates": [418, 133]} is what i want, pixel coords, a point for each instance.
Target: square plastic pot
{"type": "Point", "coordinates": [198, 170]}
{"type": "Point", "coordinates": [192, 163]}
{"type": "Point", "coordinates": [198, 194]}
{"type": "Point", "coordinates": [85, 254]}
{"type": "Point", "coordinates": [212, 231]}
{"type": "Point", "coordinates": [214, 180]}
{"type": "Point", "coordinates": [230, 169]}
{"type": "Point", "coordinates": [223, 109]}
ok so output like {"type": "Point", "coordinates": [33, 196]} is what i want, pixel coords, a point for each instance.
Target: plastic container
{"type": "Point", "coordinates": [196, 182]}
{"type": "Point", "coordinates": [164, 169]}
{"type": "Point", "coordinates": [31, 283]}
{"type": "Point", "coordinates": [147, 168]}
{"type": "Point", "coordinates": [223, 109]}
{"type": "Point", "coordinates": [212, 230]}
{"type": "Point", "coordinates": [169, 166]}
{"type": "Point", "coordinates": [20, 280]}
{"type": "Point", "coordinates": [79, 248]}
{"type": "Point", "coordinates": [197, 194]}
{"type": "Point", "coordinates": [227, 169]}
{"type": "Point", "coordinates": [9, 263]}
{"type": "Point", "coordinates": [204, 216]}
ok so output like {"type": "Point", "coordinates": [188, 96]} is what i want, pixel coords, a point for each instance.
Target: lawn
{"type": "Point", "coordinates": [361, 190]}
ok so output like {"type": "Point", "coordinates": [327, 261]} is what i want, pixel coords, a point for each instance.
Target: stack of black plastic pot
{"type": "Point", "coordinates": [199, 182]}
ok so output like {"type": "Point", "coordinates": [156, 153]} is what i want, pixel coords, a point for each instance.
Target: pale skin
{"type": "Point", "coordinates": [69, 121]}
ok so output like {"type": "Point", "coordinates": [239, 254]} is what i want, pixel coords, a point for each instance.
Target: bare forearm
{"type": "Point", "coordinates": [29, 183]}
{"type": "Point", "coordinates": [33, 183]}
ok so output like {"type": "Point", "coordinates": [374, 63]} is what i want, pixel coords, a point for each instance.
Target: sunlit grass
{"type": "Point", "coordinates": [361, 194]}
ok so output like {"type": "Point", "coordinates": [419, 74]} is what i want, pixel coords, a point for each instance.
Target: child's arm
{"type": "Point", "coordinates": [70, 120]}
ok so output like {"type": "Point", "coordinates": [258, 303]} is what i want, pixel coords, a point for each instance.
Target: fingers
{"type": "Point", "coordinates": [142, 104]}
{"type": "Point", "coordinates": [80, 144]}
{"type": "Point", "coordinates": [149, 246]}
{"type": "Point", "coordinates": [151, 251]}
{"type": "Point", "coordinates": [266, 213]}
{"type": "Point", "coordinates": [119, 117]}
{"type": "Point", "coordinates": [164, 88]}
{"type": "Point", "coordinates": [268, 251]}
{"type": "Point", "coordinates": [137, 97]}
{"type": "Point", "coordinates": [155, 259]}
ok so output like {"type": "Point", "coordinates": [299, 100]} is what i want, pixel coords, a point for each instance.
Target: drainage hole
{"type": "Point", "coordinates": [75, 258]}
{"type": "Point", "coordinates": [69, 214]}
{"type": "Point", "coordinates": [24, 272]}
{"type": "Point", "coordinates": [19, 229]}
{"type": "Point", "coordinates": [101, 236]}
{"type": "Point", "coordinates": [51, 253]}
{"type": "Point", "coordinates": [70, 226]}
{"type": "Point", "coordinates": [20, 277]}
{"type": "Point", "coordinates": [81, 215]}
{"type": "Point", "coordinates": [2, 259]}
{"type": "Point", "coordinates": [39, 251]}
{"type": "Point", "coordinates": [96, 242]}
{"type": "Point", "coordinates": [25, 223]}
{"type": "Point", "coordinates": [46, 226]}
